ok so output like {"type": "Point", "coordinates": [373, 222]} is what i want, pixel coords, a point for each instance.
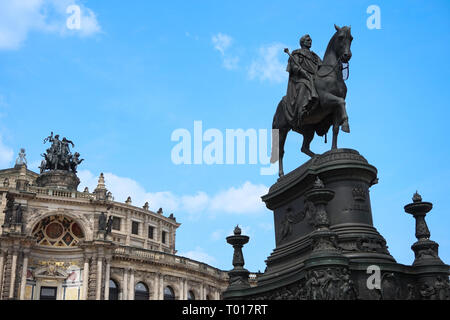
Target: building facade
{"type": "Point", "coordinates": [59, 243]}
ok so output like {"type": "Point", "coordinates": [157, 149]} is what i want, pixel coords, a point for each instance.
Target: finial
{"type": "Point", "coordinates": [318, 183]}
{"type": "Point", "coordinates": [128, 201]}
{"type": "Point", "coordinates": [101, 182]}
{"type": "Point", "coordinates": [145, 206]}
{"type": "Point", "coordinates": [86, 190]}
{"type": "Point", "coordinates": [160, 211]}
{"type": "Point", "coordinates": [417, 197]}
{"type": "Point", "coordinates": [237, 230]}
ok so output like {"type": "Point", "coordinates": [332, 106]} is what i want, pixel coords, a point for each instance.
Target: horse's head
{"type": "Point", "coordinates": [342, 42]}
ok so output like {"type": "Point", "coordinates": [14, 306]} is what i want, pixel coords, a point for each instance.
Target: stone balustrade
{"type": "Point", "coordinates": [60, 193]}
{"type": "Point", "coordinates": [161, 257]}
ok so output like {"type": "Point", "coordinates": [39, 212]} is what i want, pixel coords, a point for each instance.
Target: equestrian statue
{"type": "Point", "coordinates": [315, 98]}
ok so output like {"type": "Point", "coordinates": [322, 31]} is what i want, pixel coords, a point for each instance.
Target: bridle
{"type": "Point", "coordinates": [343, 66]}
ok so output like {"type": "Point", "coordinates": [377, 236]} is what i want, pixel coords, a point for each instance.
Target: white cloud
{"type": "Point", "coordinates": [245, 199]}
{"type": "Point", "coordinates": [221, 42]}
{"type": "Point", "coordinates": [19, 18]}
{"type": "Point", "coordinates": [199, 255]}
{"type": "Point", "coordinates": [196, 203]}
{"type": "Point", "coordinates": [6, 154]}
{"type": "Point", "coordinates": [122, 188]}
{"type": "Point", "coordinates": [267, 66]}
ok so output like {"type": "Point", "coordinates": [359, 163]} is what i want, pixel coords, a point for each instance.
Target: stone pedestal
{"type": "Point", "coordinates": [349, 176]}
{"type": "Point", "coordinates": [60, 179]}
{"type": "Point", "coordinates": [326, 244]}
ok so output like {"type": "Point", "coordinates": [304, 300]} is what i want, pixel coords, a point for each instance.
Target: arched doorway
{"type": "Point", "coordinates": [113, 290]}
{"type": "Point", "coordinates": [169, 294]}
{"type": "Point", "coordinates": [141, 291]}
{"type": "Point", "coordinates": [190, 295]}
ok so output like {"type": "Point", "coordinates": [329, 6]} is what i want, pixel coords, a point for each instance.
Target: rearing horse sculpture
{"type": "Point", "coordinates": [330, 109]}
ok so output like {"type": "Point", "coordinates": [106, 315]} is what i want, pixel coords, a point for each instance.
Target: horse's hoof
{"type": "Point", "coordinates": [308, 152]}
{"type": "Point", "coordinates": [345, 128]}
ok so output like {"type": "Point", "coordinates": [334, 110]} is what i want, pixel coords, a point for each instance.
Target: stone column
{"type": "Point", "coordinates": [24, 275]}
{"type": "Point", "coordinates": [202, 291]}
{"type": "Point", "coordinates": [92, 282]}
{"type": "Point", "coordinates": [159, 236]}
{"type": "Point", "coordinates": [84, 295]}
{"type": "Point", "coordinates": [131, 292]}
{"type": "Point", "coordinates": [13, 274]}
{"type": "Point", "coordinates": [217, 294]}
{"type": "Point", "coordinates": [107, 276]}
{"type": "Point", "coordinates": [184, 296]}
{"type": "Point", "coordinates": [128, 229]}
{"type": "Point", "coordinates": [99, 278]}
{"type": "Point", "coordinates": [170, 240]}
{"type": "Point", "coordinates": [160, 287]}
{"type": "Point", "coordinates": [156, 288]}
{"type": "Point", "coordinates": [125, 284]}
{"type": "Point", "coordinates": [2, 267]}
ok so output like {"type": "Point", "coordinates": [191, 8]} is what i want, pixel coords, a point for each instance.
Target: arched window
{"type": "Point", "coordinates": [57, 231]}
{"type": "Point", "coordinates": [190, 295]}
{"type": "Point", "coordinates": [141, 291]}
{"type": "Point", "coordinates": [168, 293]}
{"type": "Point", "coordinates": [208, 297]}
{"type": "Point", "coordinates": [113, 290]}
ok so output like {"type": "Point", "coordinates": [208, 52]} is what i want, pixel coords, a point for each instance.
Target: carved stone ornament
{"type": "Point", "coordinates": [359, 194]}
{"type": "Point", "coordinates": [330, 284]}
{"type": "Point", "coordinates": [291, 218]}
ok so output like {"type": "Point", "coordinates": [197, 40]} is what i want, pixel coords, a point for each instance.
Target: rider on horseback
{"type": "Point", "coordinates": [301, 96]}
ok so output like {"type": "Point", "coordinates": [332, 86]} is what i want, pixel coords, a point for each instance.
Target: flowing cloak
{"type": "Point", "coordinates": [301, 92]}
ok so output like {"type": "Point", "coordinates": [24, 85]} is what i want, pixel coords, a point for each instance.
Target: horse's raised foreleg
{"type": "Point", "coordinates": [344, 118]}
{"type": "Point", "coordinates": [337, 107]}
{"type": "Point", "coordinates": [308, 135]}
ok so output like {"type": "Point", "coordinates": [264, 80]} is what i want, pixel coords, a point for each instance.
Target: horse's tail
{"type": "Point", "coordinates": [276, 125]}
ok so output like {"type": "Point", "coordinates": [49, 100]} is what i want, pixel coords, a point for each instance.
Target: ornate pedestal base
{"type": "Point", "coordinates": [60, 179]}
{"type": "Point", "coordinates": [346, 173]}
{"type": "Point", "coordinates": [327, 246]}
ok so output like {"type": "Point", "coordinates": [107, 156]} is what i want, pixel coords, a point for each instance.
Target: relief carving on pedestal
{"type": "Point", "coordinates": [291, 218]}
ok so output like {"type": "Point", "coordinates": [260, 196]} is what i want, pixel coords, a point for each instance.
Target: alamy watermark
{"type": "Point", "coordinates": [374, 20]}
{"type": "Point", "coordinates": [374, 280]}
{"type": "Point", "coordinates": [73, 22]}
{"type": "Point", "coordinates": [234, 146]}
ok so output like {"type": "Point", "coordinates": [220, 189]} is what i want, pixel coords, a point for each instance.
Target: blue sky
{"type": "Point", "coordinates": [138, 70]}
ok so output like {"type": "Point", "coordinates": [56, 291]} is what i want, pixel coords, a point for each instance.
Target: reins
{"type": "Point", "coordinates": [343, 65]}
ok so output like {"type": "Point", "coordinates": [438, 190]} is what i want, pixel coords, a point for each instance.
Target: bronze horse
{"type": "Point", "coordinates": [330, 110]}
